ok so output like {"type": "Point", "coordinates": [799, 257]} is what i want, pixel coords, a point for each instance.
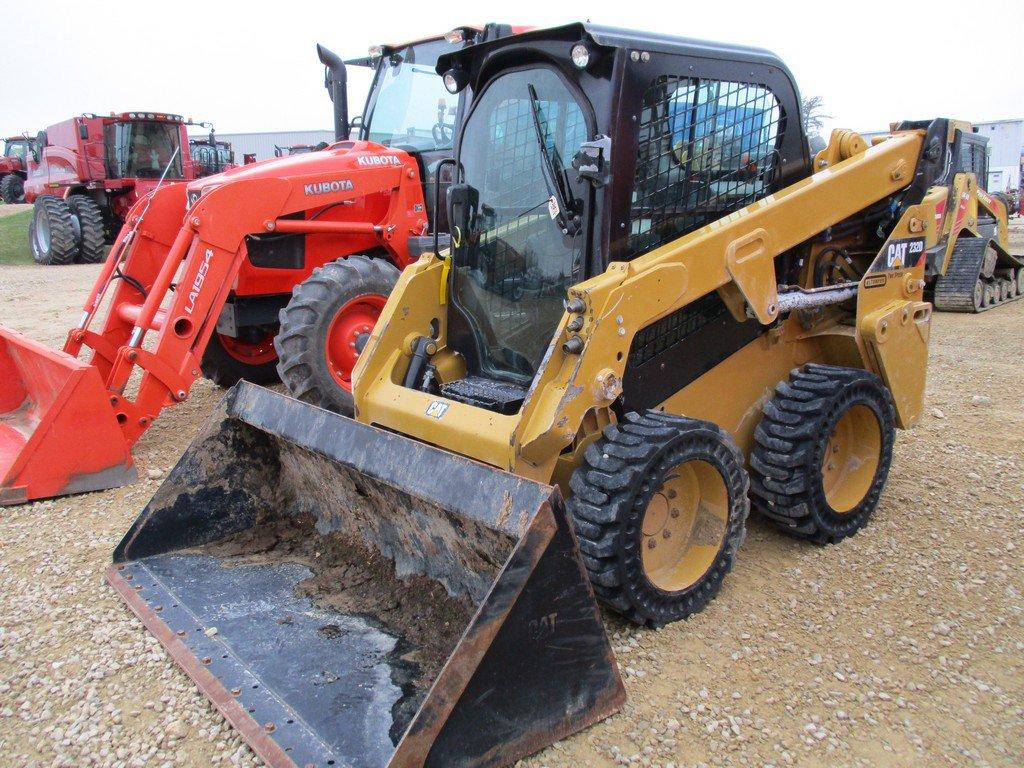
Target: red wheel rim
{"type": "Point", "coordinates": [250, 352]}
{"type": "Point", "coordinates": [355, 318]}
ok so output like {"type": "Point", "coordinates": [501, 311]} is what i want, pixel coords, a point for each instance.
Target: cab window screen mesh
{"type": "Point", "coordinates": [974, 159]}
{"type": "Point", "coordinates": [706, 148]}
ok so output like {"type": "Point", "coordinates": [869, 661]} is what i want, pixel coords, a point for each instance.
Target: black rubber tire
{"type": "Point", "coordinates": [12, 189]}
{"type": "Point", "coordinates": [789, 445]}
{"type": "Point", "coordinates": [301, 343]}
{"type": "Point", "coordinates": [62, 248]}
{"type": "Point", "coordinates": [611, 490]}
{"type": "Point", "coordinates": [92, 246]}
{"type": "Point", "coordinates": [225, 370]}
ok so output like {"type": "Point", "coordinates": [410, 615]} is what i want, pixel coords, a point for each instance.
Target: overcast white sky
{"type": "Point", "coordinates": [251, 66]}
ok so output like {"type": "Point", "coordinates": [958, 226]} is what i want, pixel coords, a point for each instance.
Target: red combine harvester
{"type": "Point", "coordinates": [86, 173]}
{"type": "Point", "coordinates": [209, 276]}
{"type": "Point", "coordinates": [13, 163]}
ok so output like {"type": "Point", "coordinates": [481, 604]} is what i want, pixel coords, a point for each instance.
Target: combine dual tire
{"type": "Point", "coordinates": [325, 325]}
{"type": "Point", "coordinates": [822, 452]}
{"type": "Point", "coordinates": [88, 221]}
{"type": "Point", "coordinates": [251, 357]}
{"type": "Point", "coordinates": [51, 233]}
{"type": "Point", "coordinates": [660, 506]}
{"type": "Point", "coordinates": [12, 189]}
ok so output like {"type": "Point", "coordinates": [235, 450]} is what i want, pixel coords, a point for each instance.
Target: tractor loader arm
{"type": "Point", "coordinates": [169, 275]}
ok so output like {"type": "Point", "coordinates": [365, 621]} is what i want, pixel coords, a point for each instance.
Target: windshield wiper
{"type": "Point", "coordinates": [554, 179]}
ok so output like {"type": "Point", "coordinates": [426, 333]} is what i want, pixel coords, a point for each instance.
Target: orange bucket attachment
{"type": "Point", "coordinates": [58, 433]}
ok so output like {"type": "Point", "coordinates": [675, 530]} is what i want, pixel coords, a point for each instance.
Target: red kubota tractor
{"type": "Point", "coordinates": [86, 173]}
{"type": "Point", "coordinates": [13, 163]}
{"type": "Point", "coordinates": [279, 267]}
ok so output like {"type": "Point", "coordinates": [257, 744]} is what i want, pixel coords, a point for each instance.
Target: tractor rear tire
{"type": "Point", "coordinates": [822, 452]}
{"type": "Point", "coordinates": [12, 189]}
{"type": "Point", "coordinates": [328, 319]}
{"type": "Point", "coordinates": [51, 233]}
{"type": "Point", "coordinates": [228, 361]}
{"type": "Point", "coordinates": [91, 234]}
{"type": "Point", "coordinates": [660, 505]}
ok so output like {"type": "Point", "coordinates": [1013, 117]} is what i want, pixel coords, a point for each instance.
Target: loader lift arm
{"type": "Point", "coordinates": [171, 277]}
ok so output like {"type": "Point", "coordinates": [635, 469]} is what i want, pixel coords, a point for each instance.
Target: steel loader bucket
{"type": "Point", "coordinates": [58, 433]}
{"type": "Point", "coordinates": [350, 597]}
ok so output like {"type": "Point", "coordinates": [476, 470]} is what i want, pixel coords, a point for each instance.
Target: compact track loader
{"type": "Point", "coordinates": [971, 268]}
{"type": "Point", "coordinates": [266, 272]}
{"type": "Point", "coordinates": [658, 310]}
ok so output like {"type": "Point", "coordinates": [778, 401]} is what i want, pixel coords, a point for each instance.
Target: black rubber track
{"type": "Point", "coordinates": [224, 370]}
{"type": "Point", "coordinates": [12, 189]}
{"type": "Point", "coordinates": [91, 230]}
{"type": "Point", "coordinates": [611, 490]}
{"type": "Point", "coordinates": [301, 342]}
{"type": "Point", "coordinates": [963, 289]}
{"type": "Point", "coordinates": [789, 444]}
{"type": "Point", "coordinates": [63, 246]}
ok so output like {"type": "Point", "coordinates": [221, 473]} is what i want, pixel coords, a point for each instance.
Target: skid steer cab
{"type": "Point", "coordinates": [265, 272]}
{"type": "Point", "coordinates": [656, 310]}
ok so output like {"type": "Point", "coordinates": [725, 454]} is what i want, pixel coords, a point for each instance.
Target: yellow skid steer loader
{"type": "Point", "coordinates": [658, 309]}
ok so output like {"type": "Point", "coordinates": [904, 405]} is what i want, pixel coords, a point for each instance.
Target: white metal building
{"type": "Point", "coordinates": [262, 144]}
{"type": "Point", "coordinates": [1005, 153]}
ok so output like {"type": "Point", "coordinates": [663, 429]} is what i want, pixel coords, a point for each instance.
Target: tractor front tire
{"type": "Point", "coordinates": [660, 505]}
{"type": "Point", "coordinates": [91, 234]}
{"type": "Point", "coordinates": [822, 452]}
{"type": "Point", "coordinates": [228, 360]}
{"type": "Point", "coordinates": [325, 325]}
{"type": "Point", "coordinates": [51, 233]}
{"type": "Point", "coordinates": [12, 189]}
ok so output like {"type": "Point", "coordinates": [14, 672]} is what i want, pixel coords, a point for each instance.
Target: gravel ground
{"type": "Point", "coordinates": [10, 210]}
{"type": "Point", "coordinates": [903, 645]}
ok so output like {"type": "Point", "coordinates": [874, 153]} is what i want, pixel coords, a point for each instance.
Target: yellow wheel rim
{"type": "Point", "coordinates": [851, 458]}
{"type": "Point", "coordinates": [684, 526]}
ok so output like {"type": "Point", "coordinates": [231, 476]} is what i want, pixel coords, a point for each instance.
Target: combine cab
{"type": "Point", "coordinates": [642, 312]}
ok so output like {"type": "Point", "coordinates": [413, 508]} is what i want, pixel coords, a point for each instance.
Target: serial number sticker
{"type": "Point", "coordinates": [875, 281]}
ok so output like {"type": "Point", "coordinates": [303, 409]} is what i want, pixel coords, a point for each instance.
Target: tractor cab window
{"type": "Point", "coordinates": [142, 149]}
{"type": "Point", "coordinates": [411, 108]}
{"type": "Point", "coordinates": [17, 149]}
{"type": "Point", "coordinates": [706, 148]}
{"type": "Point", "coordinates": [523, 246]}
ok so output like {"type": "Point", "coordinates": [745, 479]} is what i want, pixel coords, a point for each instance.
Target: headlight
{"type": "Point", "coordinates": [455, 80]}
{"type": "Point", "coordinates": [580, 55]}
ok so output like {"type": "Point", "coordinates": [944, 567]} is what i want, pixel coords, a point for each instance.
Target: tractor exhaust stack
{"type": "Point", "coordinates": [348, 596]}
